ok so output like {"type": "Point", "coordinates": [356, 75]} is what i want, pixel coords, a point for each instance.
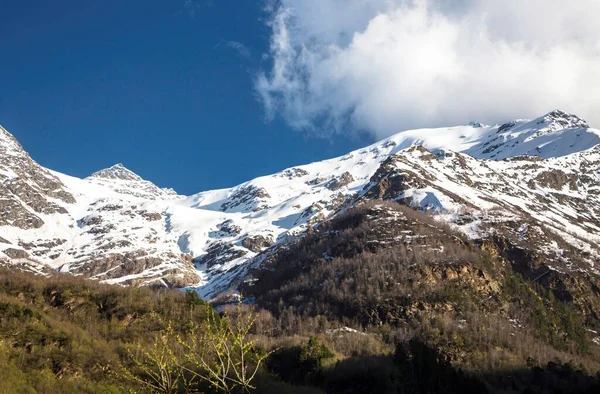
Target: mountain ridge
{"type": "Point", "coordinates": [120, 228]}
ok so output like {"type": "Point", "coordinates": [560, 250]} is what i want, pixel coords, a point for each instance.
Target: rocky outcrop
{"type": "Point", "coordinates": [14, 213]}
{"type": "Point", "coordinates": [339, 182]}
{"type": "Point", "coordinates": [139, 268]}
{"type": "Point", "coordinates": [15, 253]}
{"type": "Point", "coordinates": [247, 198]}
{"type": "Point", "coordinates": [293, 173]}
{"type": "Point", "coordinates": [556, 179]}
{"type": "Point", "coordinates": [150, 216]}
{"type": "Point", "coordinates": [217, 254]}
{"type": "Point", "coordinates": [229, 229]}
{"type": "Point", "coordinates": [26, 189]}
{"type": "Point", "coordinates": [257, 243]}
{"type": "Point", "coordinates": [316, 181]}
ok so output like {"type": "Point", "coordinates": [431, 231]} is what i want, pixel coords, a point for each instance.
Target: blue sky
{"type": "Point", "coordinates": [164, 86]}
{"type": "Point", "coordinates": [180, 90]}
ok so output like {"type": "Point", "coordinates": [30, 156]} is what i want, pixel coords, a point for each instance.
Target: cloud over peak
{"type": "Point", "coordinates": [388, 65]}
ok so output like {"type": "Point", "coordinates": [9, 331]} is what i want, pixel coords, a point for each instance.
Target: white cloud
{"type": "Point", "coordinates": [387, 65]}
{"type": "Point", "coordinates": [239, 48]}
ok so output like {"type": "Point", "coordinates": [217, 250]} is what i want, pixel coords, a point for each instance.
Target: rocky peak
{"type": "Point", "coordinates": [9, 146]}
{"type": "Point", "coordinates": [560, 120]}
{"type": "Point", "coordinates": [26, 188]}
{"type": "Point", "coordinates": [124, 181]}
{"type": "Point", "coordinates": [118, 171]}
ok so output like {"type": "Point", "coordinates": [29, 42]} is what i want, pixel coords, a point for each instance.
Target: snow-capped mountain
{"type": "Point", "coordinates": [535, 180]}
{"type": "Point", "coordinates": [124, 181]}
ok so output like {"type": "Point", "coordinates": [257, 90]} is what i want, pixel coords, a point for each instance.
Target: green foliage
{"type": "Point", "coordinates": [301, 364]}
{"type": "Point", "coordinates": [64, 334]}
{"type": "Point", "coordinates": [313, 355]}
{"type": "Point", "coordinates": [193, 299]}
{"type": "Point", "coordinates": [553, 320]}
{"type": "Point", "coordinates": [157, 367]}
{"type": "Point", "coordinates": [218, 351]}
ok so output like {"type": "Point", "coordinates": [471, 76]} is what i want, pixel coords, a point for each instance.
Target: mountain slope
{"type": "Point", "coordinates": [117, 227]}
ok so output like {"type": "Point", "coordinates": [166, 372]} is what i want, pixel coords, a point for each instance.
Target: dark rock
{"type": "Point", "coordinates": [316, 181]}
{"type": "Point", "coordinates": [92, 220]}
{"type": "Point", "coordinates": [257, 243]}
{"type": "Point", "coordinates": [16, 253]}
{"type": "Point", "coordinates": [230, 229]}
{"type": "Point", "coordinates": [150, 216]}
{"type": "Point", "coordinates": [219, 253]}
{"type": "Point", "coordinates": [110, 207]}
{"type": "Point", "coordinates": [556, 179]}
{"type": "Point", "coordinates": [340, 181]}
{"type": "Point", "coordinates": [248, 198]}
{"type": "Point", "coordinates": [506, 126]}
{"type": "Point", "coordinates": [292, 173]}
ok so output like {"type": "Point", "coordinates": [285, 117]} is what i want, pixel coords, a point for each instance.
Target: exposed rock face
{"type": "Point", "coordinates": [150, 216]}
{"type": "Point", "coordinates": [15, 253]}
{"type": "Point", "coordinates": [316, 181]}
{"type": "Point", "coordinates": [506, 126]}
{"type": "Point", "coordinates": [556, 179]}
{"type": "Point", "coordinates": [390, 182]}
{"type": "Point", "coordinates": [229, 229]}
{"type": "Point", "coordinates": [293, 173]}
{"type": "Point", "coordinates": [170, 270]}
{"type": "Point", "coordinates": [44, 248]}
{"type": "Point", "coordinates": [26, 189]}
{"type": "Point", "coordinates": [560, 120]}
{"type": "Point", "coordinates": [219, 253]}
{"type": "Point", "coordinates": [257, 243]}
{"type": "Point", "coordinates": [340, 181]}
{"type": "Point", "coordinates": [312, 214]}
{"type": "Point", "coordinates": [14, 213]}
{"type": "Point", "coordinates": [247, 198]}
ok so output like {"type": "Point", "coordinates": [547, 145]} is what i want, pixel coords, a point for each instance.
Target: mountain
{"type": "Point", "coordinates": [460, 259]}
{"type": "Point", "coordinates": [124, 181]}
{"type": "Point", "coordinates": [533, 182]}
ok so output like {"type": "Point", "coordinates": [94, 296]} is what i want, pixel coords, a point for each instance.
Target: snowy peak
{"type": "Point", "coordinates": [118, 171]}
{"type": "Point", "coordinates": [117, 227]}
{"type": "Point", "coordinates": [126, 182]}
{"type": "Point", "coordinates": [553, 121]}
{"type": "Point", "coordinates": [560, 120]}
{"type": "Point", "coordinates": [556, 134]}
{"type": "Point", "coordinates": [9, 146]}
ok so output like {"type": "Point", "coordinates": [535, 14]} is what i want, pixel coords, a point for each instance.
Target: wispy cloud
{"type": "Point", "coordinates": [191, 7]}
{"type": "Point", "coordinates": [239, 48]}
{"type": "Point", "coordinates": [387, 65]}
